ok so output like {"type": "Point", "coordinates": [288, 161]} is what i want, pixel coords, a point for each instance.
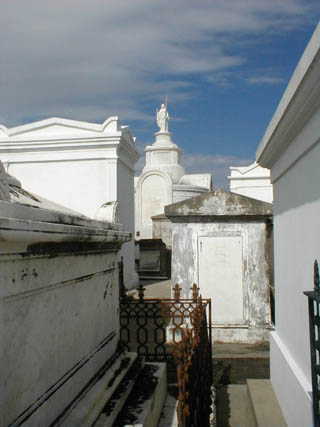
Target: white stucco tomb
{"type": "Point", "coordinates": [252, 181]}
{"type": "Point", "coordinates": [59, 309]}
{"type": "Point", "coordinates": [220, 241]}
{"type": "Point", "coordinates": [163, 180]}
{"type": "Point", "coordinates": [291, 149]}
{"type": "Point", "coordinates": [83, 166]}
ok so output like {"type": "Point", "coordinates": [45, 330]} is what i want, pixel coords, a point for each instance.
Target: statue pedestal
{"type": "Point", "coordinates": [163, 139]}
{"type": "Point", "coordinates": [166, 155]}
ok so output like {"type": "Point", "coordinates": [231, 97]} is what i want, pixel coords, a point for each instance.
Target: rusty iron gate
{"type": "Point", "coordinates": [174, 330]}
{"type": "Point", "coordinates": [314, 327]}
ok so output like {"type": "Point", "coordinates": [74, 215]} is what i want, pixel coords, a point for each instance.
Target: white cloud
{"type": "Point", "coordinates": [91, 59]}
{"type": "Point", "coordinates": [264, 80]}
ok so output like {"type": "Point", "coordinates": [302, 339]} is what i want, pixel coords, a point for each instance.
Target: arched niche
{"type": "Point", "coordinates": [154, 196]}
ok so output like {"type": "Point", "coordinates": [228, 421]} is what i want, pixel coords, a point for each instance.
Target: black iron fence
{"type": "Point", "coordinates": [178, 331]}
{"type": "Point", "coordinates": [150, 326]}
{"type": "Point", "coordinates": [314, 326]}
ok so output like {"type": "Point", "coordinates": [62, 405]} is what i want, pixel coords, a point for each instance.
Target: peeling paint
{"type": "Point", "coordinates": [213, 215]}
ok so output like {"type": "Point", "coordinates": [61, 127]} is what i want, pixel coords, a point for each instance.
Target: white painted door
{"type": "Point", "coordinates": [220, 277]}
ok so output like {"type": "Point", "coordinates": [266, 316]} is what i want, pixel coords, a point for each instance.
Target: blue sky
{"type": "Point", "coordinates": [223, 64]}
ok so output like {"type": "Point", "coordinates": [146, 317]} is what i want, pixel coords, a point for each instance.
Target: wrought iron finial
{"type": "Point", "coordinates": [176, 291]}
{"type": "Point", "coordinates": [316, 276]}
{"type": "Point", "coordinates": [141, 290]}
{"type": "Point", "coordinates": [195, 291]}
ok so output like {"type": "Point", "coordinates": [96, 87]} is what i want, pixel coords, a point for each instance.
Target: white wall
{"type": "Point", "coordinates": [291, 149]}
{"type": "Point", "coordinates": [80, 185]}
{"type": "Point", "coordinates": [153, 191]}
{"type": "Point", "coordinates": [184, 192]}
{"type": "Point", "coordinates": [251, 181]}
{"type": "Point", "coordinates": [296, 231]}
{"type": "Point", "coordinates": [162, 229]}
{"type": "Point", "coordinates": [254, 280]}
{"type": "Point", "coordinates": [125, 195]}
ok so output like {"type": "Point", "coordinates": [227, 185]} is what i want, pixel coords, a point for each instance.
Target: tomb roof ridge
{"type": "Point", "coordinates": [220, 202]}
{"type": "Point", "coordinates": [112, 123]}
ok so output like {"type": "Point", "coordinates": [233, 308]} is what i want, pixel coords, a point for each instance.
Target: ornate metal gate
{"type": "Point", "coordinates": [174, 330]}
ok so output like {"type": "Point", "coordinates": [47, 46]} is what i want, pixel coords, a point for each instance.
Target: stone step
{"type": "Point", "coordinates": [130, 392]}
{"type": "Point", "coordinates": [91, 404]}
{"type": "Point", "coordinates": [264, 404]}
{"type": "Point", "coordinates": [250, 405]}
{"type": "Point", "coordinates": [233, 407]}
{"type": "Point", "coordinates": [169, 416]}
{"type": "Point", "coordinates": [234, 363]}
{"type": "Point", "coordinates": [144, 405]}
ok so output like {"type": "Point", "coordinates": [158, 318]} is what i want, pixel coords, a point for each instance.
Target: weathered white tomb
{"type": "Point", "coordinates": [58, 304]}
{"type": "Point", "coordinates": [59, 317]}
{"type": "Point", "coordinates": [252, 181]}
{"type": "Point", "coordinates": [220, 241]}
{"type": "Point", "coordinates": [80, 165]}
{"type": "Point", "coordinates": [163, 180]}
{"type": "Point", "coordinates": [162, 229]}
{"type": "Point", "coordinates": [291, 149]}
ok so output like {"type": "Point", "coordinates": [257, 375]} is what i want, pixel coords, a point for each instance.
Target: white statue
{"type": "Point", "coordinates": [163, 118]}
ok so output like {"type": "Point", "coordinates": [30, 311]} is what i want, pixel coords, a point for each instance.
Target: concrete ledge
{"type": "Point", "coordinates": [143, 409]}
{"type": "Point", "coordinates": [233, 407]}
{"type": "Point", "coordinates": [169, 417]}
{"type": "Point", "coordinates": [292, 388]}
{"type": "Point", "coordinates": [87, 409]}
{"type": "Point", "coordinates": [241, 334]}
{"type": "Point", "coordinates": [264, 404]}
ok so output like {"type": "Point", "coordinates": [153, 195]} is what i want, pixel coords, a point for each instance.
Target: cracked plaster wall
{"type": "Point", "coordinates": [255, 272]}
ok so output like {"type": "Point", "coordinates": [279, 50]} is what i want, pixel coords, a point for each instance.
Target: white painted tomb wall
{"type": "Point", "coordinates": [162, 229]}
{"type": "Point", "coordinates": [291, 149]}
{"type": "Point", "coordinates": [77, 164]}
{"type": "Point", "coordinates": [163, 180]}
{"type": "Point", "coordinates": [58, 304]}
{"type": "Point", "coordinates": [219, 242]}
{"type": "Point", "coordinates": [252, 181]}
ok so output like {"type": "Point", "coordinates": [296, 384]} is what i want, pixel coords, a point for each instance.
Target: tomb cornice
{"type": "Point", "coordinates": [75, 150]}
{"type": "Point", "coordinates": [69, 141]}
{"type": "Point", "coordinates": [199, 218]}
{"type": "Point", "coordinates": [185, 187]}
{"type": "Point", "coordinates": [130, 149]}
{"type": "Point", "coordinates": [27, 224]}
{"type": "Point", "coordinates": [110, 125]}
{"type": "Point", "coordinates": [64, 134]}
{"type": "Point", "coordinates": [172, 147]}
{"type": "Point", "coordinates": [249, 178]}
{"type": "Point", "coordinates": [218, 204]}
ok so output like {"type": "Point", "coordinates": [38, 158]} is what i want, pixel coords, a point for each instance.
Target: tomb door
{"type": "Point", "coordinates": [220, 277]}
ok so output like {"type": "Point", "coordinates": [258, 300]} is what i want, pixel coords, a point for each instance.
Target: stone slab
{"type": "Point", "coordinates": [169, 416]}
{"type": "Point", "coordinates": [144, 409]}
{"type": "Point", "coordinates": [86, 410]}
{"type": "Point", "coordinates": [264, 403]}
{"type": "Point", "coordinates": [233, 408]}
